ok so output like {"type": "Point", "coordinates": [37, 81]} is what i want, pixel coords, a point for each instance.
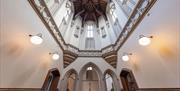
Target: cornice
{"type": "Point", "coordinates": [134, 19]}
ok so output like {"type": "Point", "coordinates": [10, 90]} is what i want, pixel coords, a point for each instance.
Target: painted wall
{"type": "Point", "coordinates": [22, 64]}
{"type": "Point", "coordinates": [156, 65]}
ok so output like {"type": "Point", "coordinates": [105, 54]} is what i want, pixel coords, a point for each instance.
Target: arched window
{"type": "Point", "coordinates": [89, 78]}
{"type": "Point", "coordinates": [90, 42]}
{"type": "Point", "coordinates": [112, 12]}
{"type": "Point", "coordinates": [90, 31]}
{"type": "Point", "coordinates": [68, 11]}
{"type": "Point", "coordinates": [89, 74]}
{"type": "Point", "coordinates": [115, 22]}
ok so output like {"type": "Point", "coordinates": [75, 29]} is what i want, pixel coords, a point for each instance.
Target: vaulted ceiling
{"type": "Point", "coordinates": [90, 10]}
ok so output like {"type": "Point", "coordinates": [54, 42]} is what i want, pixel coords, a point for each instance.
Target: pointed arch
{"type": "Point", "coordinates": [69, 72]}
{"type": "Point", "coordinates": [116, 84]}
{"type": "Point", "coordinates": [66, 79]}
{"type": "Point", "coordinates": [98, 71]}
{"type": "Point", "coordinates": [127, 77]}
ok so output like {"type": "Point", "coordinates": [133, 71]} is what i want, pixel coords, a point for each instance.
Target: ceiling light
{"type": "Point", "coordinates": [144, 41]}
{"type": "Point", "coordinates": [125, 56]}
{"type": "Point", "coordinates": [55, 55]}
{"type": "Point", "coordinates": [36, 39]}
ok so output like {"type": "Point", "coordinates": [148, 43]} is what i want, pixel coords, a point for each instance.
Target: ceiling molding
{"type": "Point", "coordinates": [140, 10]}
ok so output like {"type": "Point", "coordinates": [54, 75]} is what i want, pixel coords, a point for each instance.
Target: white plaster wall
{"type": "Point", "coordinates": [97, 37]}
{"type": "Point", "coordinates": [73, 40]}
{"type": "Point", "coordinates": [60, 13]}
{"type": "Point", "coordinates": [107, 40]}
{"type": "Point", "coordinates": [82, 40]}
{"type": "Point", "coordinates": [22, 64]}
{"type": "Point", "coordinates": [50, 3]}
{"type": "Point", "coordinates": [120, 14]}
{"type": "Point", "coordinates": [156, 65]}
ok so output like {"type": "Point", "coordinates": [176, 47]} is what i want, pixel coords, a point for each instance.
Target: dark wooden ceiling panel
{"type": "Point", "coordinates": [90, 10]}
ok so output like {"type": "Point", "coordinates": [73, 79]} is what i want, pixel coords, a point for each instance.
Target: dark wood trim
{"type": "Point", "coordinates": [51, 85]}
{"type": "Point", "coordinates": [128, 80]}
{"type": "Point", "coordinates": [159, 89]}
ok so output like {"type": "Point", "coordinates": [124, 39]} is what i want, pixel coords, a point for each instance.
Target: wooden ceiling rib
{"type": "Point", "coordinates": [89, 10]}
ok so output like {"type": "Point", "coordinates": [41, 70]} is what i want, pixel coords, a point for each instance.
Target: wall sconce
{"type": "Point", "coordinates": [36, 39]}
{"type": "Point", "coordinates": [55, 55]}
{"type": "Point", "coordinates": [144, 41]}
{"type": "Point", "coordinates": [125, 56]}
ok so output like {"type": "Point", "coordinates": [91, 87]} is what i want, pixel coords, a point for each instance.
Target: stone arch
{"type": "Point", "coordinates": [116, 84]}
{"type": "Point", "coordinates": [65, 79]}
{"type": "Point", "coordinates": [98, 71]}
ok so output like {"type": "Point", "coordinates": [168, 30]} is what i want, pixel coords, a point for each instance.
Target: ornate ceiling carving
{"type": "Point", "coordinates": [89, 10]}
{"type": "Point", "coordinates": [109, 53]}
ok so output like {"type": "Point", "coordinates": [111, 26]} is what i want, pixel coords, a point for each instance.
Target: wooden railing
{"type": "Point", "coordinates": [50, 83]}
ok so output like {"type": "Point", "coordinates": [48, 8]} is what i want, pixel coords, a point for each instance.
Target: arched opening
{"type": "Point", "coordinates": [90, 35]}
{"type": "Point", "coordinates": [90, 78]}
{"type": "Point", "coordinates": [111, 81]}
{"type": "Point", "coordinates": [51, 80]}
{"type": "Point", "coordinates": [70, 80]}
{"type": "Point", "coordinates": [128, 80]}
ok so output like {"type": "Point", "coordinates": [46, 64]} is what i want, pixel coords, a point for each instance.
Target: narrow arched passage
{"type": "Point", "coordinates": [70, 80]}
{"type": "Point", "coordinates": [111, 81]}
{"type": "Point", "coordinates": [91, 78]}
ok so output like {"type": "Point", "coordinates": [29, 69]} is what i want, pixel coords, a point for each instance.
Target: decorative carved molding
{"type": "Point", "coordinates": [68, 57]}
{"type": "Point", "coordinates": [138, 13]}
{"type": "Point", "coordinates": [111, 58]}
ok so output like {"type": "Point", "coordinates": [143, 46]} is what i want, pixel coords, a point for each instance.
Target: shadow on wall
{"type": "Point", "coordinates": [14, 46]}
{"type": "Point", "coordinates": [13, 49]}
